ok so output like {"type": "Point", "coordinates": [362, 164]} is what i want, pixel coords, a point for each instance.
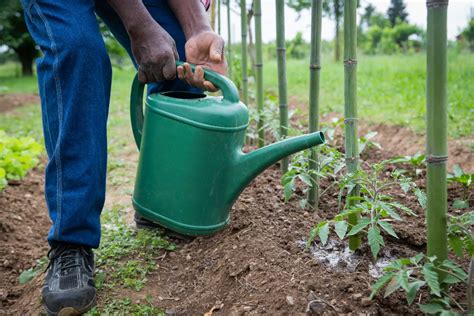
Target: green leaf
{"type": "Point", "coordinates": [27, 275]}
{"type": "Point", "coordinates": [288, 189]}
{"type": "Point", "coordinates": [412, 290]}
{"type": "Point", "coordinates": [458, 271]}
{"type": "Point", "coordinates": [388, 228]}
{"type": "Point", "coordinates": [431, 308]}
{"type": "Point", "coordinates": [392, 286]}
{"type": "Point", "coordinates": [359, 226]}
{"type": "Point", "coordinates": [375, 240]}
{"type": "Point", "coordinates": [460, 204]}
{"type": "Point", "coordinates": [456, 244]}
{"type": "Point", "coordinates": [324, 233]}
{"type": "Point", "coordinates": [402, 279]}
{"type": "Point", "coordinates": [390, 211]}
{"type": "Point", "coordinates": [421, 196]}
{"type": "Point", "coordinates": [312, 235]}
{"type": "Point", "coordinates": [306, 179]}
{"type": "Point", "coordinates": [380, 283]}
{"type": "Point", "coordinates": [341, 229]}
{"type": "Point", "coordinates": [458, 172]}
{"type": "Point", "coordinates": [431, 278]}
{"type": "Point", "coordinates": [403, 208]}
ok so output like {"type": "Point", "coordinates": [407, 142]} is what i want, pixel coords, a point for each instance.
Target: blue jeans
{"type": "Point", "coordinates": [74, 77]}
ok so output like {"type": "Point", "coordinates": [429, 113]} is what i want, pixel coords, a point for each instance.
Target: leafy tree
{"type": "Point", "coordinates": [397, 12]}
{"type": "Point", "coordinates": [468, 34]}
{"type": "Point", "coordinates": [366, 17]}
{"type": "Point", "coordinates": [14, 34]}
{"type": "Point", "coordinates": [333, 9]}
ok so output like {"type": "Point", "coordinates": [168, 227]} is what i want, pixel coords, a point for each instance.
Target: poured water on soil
{"type": "Point", "coordinates": [337, 255]}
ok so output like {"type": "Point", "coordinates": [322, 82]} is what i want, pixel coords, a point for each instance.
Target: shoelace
{"type": "Point", "coordinates": [66, 256]}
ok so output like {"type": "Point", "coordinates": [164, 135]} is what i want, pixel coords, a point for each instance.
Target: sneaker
{"type": "Point", "coordinates": [69, 287]}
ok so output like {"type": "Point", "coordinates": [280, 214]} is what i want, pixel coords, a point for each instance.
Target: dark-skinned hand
{"type": "Point", "coordinates": [155, 53]}
{"type": "Point", "coordinates": [205, 49]}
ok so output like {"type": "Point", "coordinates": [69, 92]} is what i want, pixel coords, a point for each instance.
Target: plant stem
{"type": "Point", "coordinates": [436, 134]}
{"type": "Point", "coordinates": [243, 25]}
{"type": "Point", "coordinates": [315, 69]}
{"type": "Point", "coordinates": [350, 104]}
{"type": "Point", "coordinates": [229, 42]}
{"type": "Point", "coordinates": [282, 83]}
{"type": "Point", "coordinates": [259, 71]}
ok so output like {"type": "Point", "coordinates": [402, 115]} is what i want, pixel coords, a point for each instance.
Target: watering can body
{"type": "Point", "coordinates": [191, 168]}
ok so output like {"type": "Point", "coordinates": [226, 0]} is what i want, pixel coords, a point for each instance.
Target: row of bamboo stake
{"type": "Point", "coordinates": [436, 147]}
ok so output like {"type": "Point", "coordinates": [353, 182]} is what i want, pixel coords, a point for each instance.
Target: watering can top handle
{"type": "Point", "coordinates": [228, 88]}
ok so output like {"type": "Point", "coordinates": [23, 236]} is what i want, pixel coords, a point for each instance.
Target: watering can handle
{"type": "Point", "coordinates": [228, 88]}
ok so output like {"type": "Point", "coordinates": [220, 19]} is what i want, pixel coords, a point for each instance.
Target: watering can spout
{"type": "Point", "coordinates": [251, 164]}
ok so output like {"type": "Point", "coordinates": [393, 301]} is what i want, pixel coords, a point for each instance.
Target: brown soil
{"type": "Point", "coordinates": [11, 101]}
{"type": "Point", "coordinates": [24, 225]}
{"type": "Point", "coordinates": [257, 265]}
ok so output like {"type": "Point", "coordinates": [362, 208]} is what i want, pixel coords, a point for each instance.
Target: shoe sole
{"type": "Point", "coordinates": [71, 311]}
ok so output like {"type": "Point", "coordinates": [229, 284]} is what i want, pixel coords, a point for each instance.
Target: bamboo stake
{"type": "Point", "coordinates": [259, 71]}
{"type": "Point", "coordinates": [243, 24]}
{"type": "Point", "coordinates": [436, 132]}
{"type": "Point", "coordinates": [219, 16]}
{"type": "Point", "coordinates": [350, 104]}
{"type": "Point", "coordinates": [229, 42]}
{"type": "Point", "coordinates": [213, 15]}
{"type": "Point", "coordinates": [282, 82]}
{"type": "Point", "coordinates": [315, 69]}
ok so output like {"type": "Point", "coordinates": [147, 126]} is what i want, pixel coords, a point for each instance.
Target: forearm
{"type": "Point", "coordinates": [192, 16]}
{"type": "Point", "coordinates": [133, 14]}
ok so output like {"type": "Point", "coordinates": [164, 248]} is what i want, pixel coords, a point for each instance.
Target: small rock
{"type": "Point", "coordinates": [350, 290]}
{"type": "Point", "coordinates": [188, 257]}
{"type": "Point", "coordinates": [316, 307]}
{"type": "Point", "coordinates": [365, 301]}
{"type": "Point", "coordinates": [247, 308]}
{"type": "Point", "coordinates": [290, 300]}
{"type": "Point", "coordinates": [172, 254]}
{"type": "Point", "coordinates": [170, 312]}
{"type": "Point", "coordinates": [357, 296]}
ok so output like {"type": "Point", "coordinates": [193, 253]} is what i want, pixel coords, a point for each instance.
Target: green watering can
{"type": "Point", "coordinates": [191, 167]}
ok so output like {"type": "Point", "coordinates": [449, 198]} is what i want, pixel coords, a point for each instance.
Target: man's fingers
{"type": "Point", "coordinates": [181, 72]}
{"type": "Point", "coordinates": [216, 50]}
{"type": "Point", "coordinates": [169, 69]}
{"type": "Point", "coordinates": [210, 87]}
{"type": "Point", "coordinates": [142, 74]}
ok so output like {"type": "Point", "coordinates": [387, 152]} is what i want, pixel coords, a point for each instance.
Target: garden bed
{"type": "Point", "coordinates": [256, 265]}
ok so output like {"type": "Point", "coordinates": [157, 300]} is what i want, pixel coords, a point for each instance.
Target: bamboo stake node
{"type": "Point", "coordinates": [436, 3]}
{"type": "Point", "coordinates": [433, 159]}
{"type": "Point", "coordinates": [281, 49]}
{"type": "Point", "coordinates": [352, 159]}
{"type": "Point", "coordinates": [257, 14]}
{"type": "Point", "coordinates": [315, 66]}
{"type": "Point", "coordinates": [259, 65]}
{"type": "Point", "coordinates": [350, 62]}
{"type": "Point", "coordinates": [350, 120]}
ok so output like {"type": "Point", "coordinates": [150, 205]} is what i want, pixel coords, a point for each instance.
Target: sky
{"type": "Point", "coordinates": [459, 12]}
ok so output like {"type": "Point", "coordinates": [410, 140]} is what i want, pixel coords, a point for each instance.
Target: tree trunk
{"type": "Point", "coordinates": [26, 59]}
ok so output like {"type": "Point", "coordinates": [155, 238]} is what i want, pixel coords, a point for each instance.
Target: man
{"type": "Point", "coordinates": [74, 78]}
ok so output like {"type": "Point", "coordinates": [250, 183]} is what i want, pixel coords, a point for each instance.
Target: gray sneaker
{"type": "Point", "coordinates": [69, 287]}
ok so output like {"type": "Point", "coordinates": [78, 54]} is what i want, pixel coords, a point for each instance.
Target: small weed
{"type": "Point", "coordinates": [126, 257]}
{"type": "Point", "coordinates": [125, 306]}
{"type": "Point", "coordinates": [28, 275]}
